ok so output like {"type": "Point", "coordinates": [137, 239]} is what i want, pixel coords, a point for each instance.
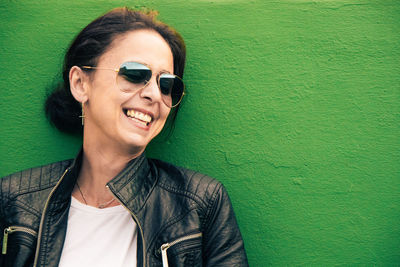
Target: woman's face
{"type": "Point", "coordinates": [117, 118]}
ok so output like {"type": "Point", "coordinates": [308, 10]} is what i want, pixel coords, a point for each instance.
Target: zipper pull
{"type": "Point", "coordinates": [5, 240]}
{"type": "Point", "coordinates": [164, 257]}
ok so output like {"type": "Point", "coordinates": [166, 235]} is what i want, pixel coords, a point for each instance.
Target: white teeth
{"type": "Point", "coordinates": [139, 121]}
{"type": "Point", "coordinates": [139, 116]}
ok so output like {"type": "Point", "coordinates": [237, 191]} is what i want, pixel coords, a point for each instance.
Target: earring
{"type": "Point", "coordinates": [82, 116]}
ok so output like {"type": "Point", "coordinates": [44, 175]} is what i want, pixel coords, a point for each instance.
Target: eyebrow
{"type": "Point", "coordinates": [166, 71]}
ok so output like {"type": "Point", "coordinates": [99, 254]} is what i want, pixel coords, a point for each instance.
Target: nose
{"type": "Point", "coordinates": [151, 92]}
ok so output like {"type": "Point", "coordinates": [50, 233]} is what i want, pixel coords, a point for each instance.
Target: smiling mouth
{"type": "Point", "coordinates": [138, 116]}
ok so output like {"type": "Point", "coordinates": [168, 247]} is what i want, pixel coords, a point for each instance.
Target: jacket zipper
{"type": "Point", "coordinates": [42, 218]}
{"type": "Point", "coordinates": [166, 246]}
{"type": "Point", "coordinates": [137, 223]}
{"type": "Point", "coordinates": [12, 229]}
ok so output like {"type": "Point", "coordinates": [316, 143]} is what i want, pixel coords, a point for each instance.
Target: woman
{"type": "Point", "coordinates": [112, 206]}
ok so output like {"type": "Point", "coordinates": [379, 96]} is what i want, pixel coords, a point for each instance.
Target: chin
{"type": "Point", "coordinates": [136, 142]}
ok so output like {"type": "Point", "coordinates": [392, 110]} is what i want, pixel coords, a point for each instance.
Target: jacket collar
{"type": "Point", "coordinates": [131, 186]}
{"type": "Point", "coordinates": [134, 183]}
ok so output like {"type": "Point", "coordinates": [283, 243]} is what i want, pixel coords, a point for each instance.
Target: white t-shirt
{"type": "Point", "coordinates": [99, 237]}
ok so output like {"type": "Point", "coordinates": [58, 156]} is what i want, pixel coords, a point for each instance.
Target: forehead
{"type": "Point", "coordinates": [145, 46]}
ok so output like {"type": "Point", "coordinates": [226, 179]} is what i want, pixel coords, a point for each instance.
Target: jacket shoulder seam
{"type": "Point", "coordinates": [31, 191]}
{"type": "Point", "coordinates": [188, 194]}
{"type": "Point", "coordinates": [29, 178]}
{"type": "Point", "coordinates": [211, 205]}
{"type": "Point", "coordinates": [25, 207]}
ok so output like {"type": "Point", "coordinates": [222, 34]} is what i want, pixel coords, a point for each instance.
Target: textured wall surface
{"type": "Point", "coordinates": [293, 105]}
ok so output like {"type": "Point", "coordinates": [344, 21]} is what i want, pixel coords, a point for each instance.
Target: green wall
{"type": "Point", "coordinates": [293, 105]}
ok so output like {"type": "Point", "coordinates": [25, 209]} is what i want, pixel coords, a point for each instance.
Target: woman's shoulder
{"type": "Point", "coordinates": [185, 181]}
{"type": "Point", "coordinates": [33, 179]}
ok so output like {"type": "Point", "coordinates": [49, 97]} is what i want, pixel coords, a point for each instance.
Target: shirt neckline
{"type": "Point", "coordinates": [76, 204]}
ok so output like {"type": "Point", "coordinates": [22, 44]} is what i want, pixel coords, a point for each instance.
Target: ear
{"type": "Point", "coordinates": [78, 81]}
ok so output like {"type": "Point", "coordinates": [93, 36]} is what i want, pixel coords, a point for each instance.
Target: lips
{"type": "Point", "coordinates": [142, 117]}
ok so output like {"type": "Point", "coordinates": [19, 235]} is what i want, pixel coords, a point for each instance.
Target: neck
{"type": "Point", "coordinates": [100, 164]}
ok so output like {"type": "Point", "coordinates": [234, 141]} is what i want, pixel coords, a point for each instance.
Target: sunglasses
{"type": "Point", "coordinates": [133, 76]}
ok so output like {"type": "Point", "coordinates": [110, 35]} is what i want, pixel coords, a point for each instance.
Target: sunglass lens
{"type": "Point", "coordinates": [135, 72]}
{"type": "Point", "coordinates": [166, 85]}
{"type": "Point", "coordinates": [171, 87]}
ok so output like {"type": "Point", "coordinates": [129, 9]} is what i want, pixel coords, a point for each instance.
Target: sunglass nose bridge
{"type": "Point", "coordinates": [151, 89]}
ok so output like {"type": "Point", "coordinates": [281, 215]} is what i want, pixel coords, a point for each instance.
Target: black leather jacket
{"type": "Point", "coordinates": [183, 217]}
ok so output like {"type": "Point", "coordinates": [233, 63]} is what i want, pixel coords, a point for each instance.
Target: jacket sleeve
{"type": "Point", "coordinates": [222, 239]}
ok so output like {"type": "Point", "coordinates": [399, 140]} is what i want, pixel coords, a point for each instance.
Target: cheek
{"type": "Point", "coordinates": [104, 85]}
{"type": "Point", "coordinates": [165, 113]}
{"type": "Point", "coordinates": [105, 105]}
{"type": "Point", "coordinates": [106, 90]}
{"type": "Point", "coordinates": [162, 120]}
